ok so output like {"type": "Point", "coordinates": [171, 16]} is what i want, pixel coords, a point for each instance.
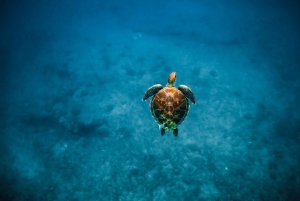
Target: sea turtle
{"type": "Point", "coordinates": [169, 105]}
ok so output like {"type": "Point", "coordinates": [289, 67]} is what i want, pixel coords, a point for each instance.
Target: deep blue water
{"type": "Point", "coordinates": [73, 126]}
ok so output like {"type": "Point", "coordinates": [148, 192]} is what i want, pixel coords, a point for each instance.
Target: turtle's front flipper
{"type": "Point", "coordinates": [175, 132]}
{"type": "Point", "coordinates": [187, 92]}
{"type": "Point", "coordinates": [151, 91]}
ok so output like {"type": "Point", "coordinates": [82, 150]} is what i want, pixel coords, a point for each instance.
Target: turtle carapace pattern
{"type": "Point", "coordinates": [169, 105]}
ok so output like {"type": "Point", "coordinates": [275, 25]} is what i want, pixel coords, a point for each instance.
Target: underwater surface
{"type": "Point", "coordinates": [74, 126]}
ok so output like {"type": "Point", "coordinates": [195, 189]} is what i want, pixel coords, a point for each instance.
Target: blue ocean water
{"type": "Point", "coordinates": [73, 126]}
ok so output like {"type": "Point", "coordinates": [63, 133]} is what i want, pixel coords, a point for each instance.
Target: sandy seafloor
{"type": "Point", "coordinates": [73, 126]}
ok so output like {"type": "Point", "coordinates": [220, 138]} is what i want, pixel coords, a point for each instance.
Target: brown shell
{"type": "Point", "coordinates": [169, 107]}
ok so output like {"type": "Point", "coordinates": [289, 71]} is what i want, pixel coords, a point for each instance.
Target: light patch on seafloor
{"type": "Point", "coordinates": [209, 191]}
{"type": "Point", "coordinates": [60, 148]}
{"type": "Point", "coordinates": [27, 164]}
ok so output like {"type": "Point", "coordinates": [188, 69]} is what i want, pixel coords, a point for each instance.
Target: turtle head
{"type": "Point", "coordinates": [172, 79]}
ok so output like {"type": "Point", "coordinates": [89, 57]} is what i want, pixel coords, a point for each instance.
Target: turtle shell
{"type": "Point", "coordinates": [169, 107]}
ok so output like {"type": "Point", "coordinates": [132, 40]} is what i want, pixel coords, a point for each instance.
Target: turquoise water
{"type": "Point", "coordinates": [73, 126]}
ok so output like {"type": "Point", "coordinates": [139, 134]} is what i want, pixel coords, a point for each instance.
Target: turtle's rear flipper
{"type": "Point", "coordinates": [187, 92]}
{"type": "Point", "coordinates": [175, 132]}
{"type": "Point", "coordinates": [151, 91]}
{"type": "Point", "coordinates": [163, 131]}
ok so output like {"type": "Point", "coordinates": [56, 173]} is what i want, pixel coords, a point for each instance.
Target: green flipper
{"type": "Point", "coordinates": [187, 92]}
{"type": "Point", "coordinates": [162, 131]}
{"type": "Point", "coordinates": [152, 91]}
{"type": "Point", "coordinates": [175, 132]}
